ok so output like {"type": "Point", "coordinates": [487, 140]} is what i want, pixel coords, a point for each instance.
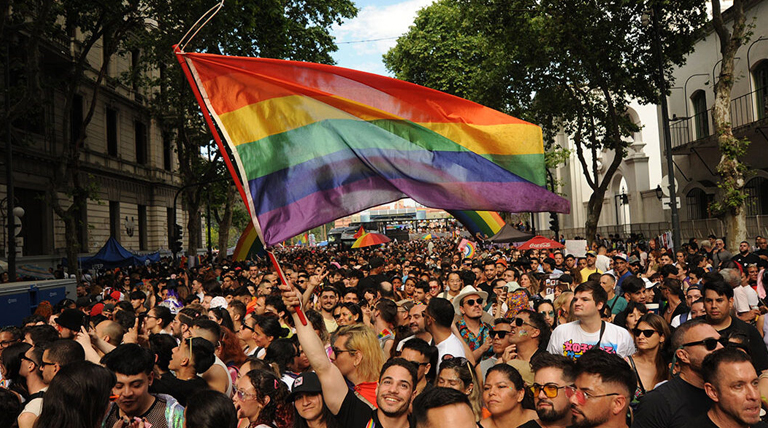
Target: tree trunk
{"type": "Point", "coordinates": [70, 239]}
{"type": "Point", "coordinates": [730, 204]}
{"type": "Point", "coordinates": [225, 224]}
{"type": "Point", "coordinates": [594, 208]}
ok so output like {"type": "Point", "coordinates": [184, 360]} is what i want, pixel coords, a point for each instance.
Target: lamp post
{"type": "Point", "coordinates": [655, 12]}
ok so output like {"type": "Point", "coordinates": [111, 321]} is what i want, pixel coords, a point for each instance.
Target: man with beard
{"type": "Point", "coordinates": [744, 256]}
{"type": "Point", "coordinates": [602, 390]}
{"type": "Point", "coordinates": [329, 298]}
{"type": "Point", "coordinates": [394, 394]}
{"type": "Point", "coordinates": [552, 374]}
{"type": "Point", "coordinates": [677, 402]}
{"type": "Point", "coordinates": [731, 383]}
{"type": "Point", "coordinates": [417, 325]}
{"type": "Point", "coordinates": [718, 303]}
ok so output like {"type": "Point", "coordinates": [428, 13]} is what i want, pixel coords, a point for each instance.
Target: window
{"type": "Point", "coordinates": [167, 152]}
{"type": "Point", "coordinates": [697, 203]}
{"type": "Point", "coordinates": [761, 89]}
{"type": "Point", "coordinates": [171, 221]}
{"type": "Point", "coordinates": [114, 220]}
{"type": "Point", "coordinates": [111, 132]}
{"type": "Point", "coordinates": [141, 142]}
{"type": "Point", "coordinates": [757, 196]}
{"type": "Point", "coordinates": [76, 117]}
{"type": "Point", "coordinates": [142, 227]}
{"type": "Point", "coordinates": [700, 114]}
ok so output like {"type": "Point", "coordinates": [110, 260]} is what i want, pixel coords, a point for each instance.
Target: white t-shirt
{"type": "Point", "coordinates": [603, 263]}
{"type": "Point", "coordinates": [571, 340]}
{"type": "Point", "coordinates": [451, 346]}
{"type": "Point", "coordinates": [741, 300]}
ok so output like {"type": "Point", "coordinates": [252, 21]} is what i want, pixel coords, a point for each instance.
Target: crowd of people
{"type": "Point", "coordinates": [408, 334]}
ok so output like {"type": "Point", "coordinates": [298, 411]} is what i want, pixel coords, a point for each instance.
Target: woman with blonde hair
{"type": "Point", "coordinates": [529, 282]}
{"type": "Point", "coordinates": [358, 355]}
{"type": "Point", "coordinates": [563, 307]}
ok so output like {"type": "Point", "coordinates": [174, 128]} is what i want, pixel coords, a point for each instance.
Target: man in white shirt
{"type": "Point", "coordinates": [589, 330]}
{"type": "Point", "coordinates": [440, 313]}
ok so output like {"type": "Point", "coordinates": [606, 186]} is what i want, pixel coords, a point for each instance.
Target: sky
{"type": "Point", "coordinates": [373, 32]}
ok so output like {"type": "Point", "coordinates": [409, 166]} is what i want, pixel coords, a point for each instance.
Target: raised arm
{"type": "Point", "coordinates": [332, 381]}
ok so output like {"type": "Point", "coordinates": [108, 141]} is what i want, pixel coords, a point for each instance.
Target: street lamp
{"type": "Point", "coordinates": [659, 192]}
{"type": "Point", "coordinates": [654, 18]}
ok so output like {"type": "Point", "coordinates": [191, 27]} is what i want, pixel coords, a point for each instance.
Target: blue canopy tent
{"type": "Point", "coordinates": [114, 255]}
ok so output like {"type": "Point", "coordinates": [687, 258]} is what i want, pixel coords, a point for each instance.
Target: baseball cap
{"type": "Point", "coordinates": [306, 383]}
{"type": "Point", "coordinates": [620, 256]}
{"type": "Point", "coordinates": [71, 319]}
{"type": "Point", "coordinates": [591, 253]}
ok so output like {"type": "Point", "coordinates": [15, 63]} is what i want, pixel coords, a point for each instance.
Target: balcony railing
{"type": "Point", "coordinates": [745, 109]}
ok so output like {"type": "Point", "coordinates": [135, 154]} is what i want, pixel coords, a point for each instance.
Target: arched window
{"type": "Point", "coordinates": [757, 196]}
{"type": "Point", "coordinates": [700, 114]}
{"type": "Point", "coordinates": [697, 203]}
{"type": "Point", "coordinates": [761, 89]}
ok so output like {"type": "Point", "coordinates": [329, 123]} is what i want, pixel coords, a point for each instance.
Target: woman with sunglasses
{"type": "Point", "coordinates": [261, 399]}
{"type": "Point", "coordinates": [547, 309]}
{"type": "Point", "coordinates": [458, 373]}
{"type": "Point", "coordinates": [649, 362]}
{"type": "Point", "coordinates": [506, 398]}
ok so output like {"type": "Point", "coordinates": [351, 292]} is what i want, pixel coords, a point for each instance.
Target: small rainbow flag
{"type": "Point", "coordinates": [249, 245]}
{"type": "Point", "coordinates": [427, 237]}
{"type": "Point", "coordinates": [486, 223]}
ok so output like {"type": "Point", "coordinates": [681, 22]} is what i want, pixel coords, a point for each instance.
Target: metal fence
{"type": "Point", "coordinates": [699, 229]}
{"type": "Point", "coordinates": [701, 125]}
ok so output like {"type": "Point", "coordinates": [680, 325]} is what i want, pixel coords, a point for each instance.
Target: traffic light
{"type": "Point", "coordinates": [554, 222]}
{"type": "Point", "coordinates": [176, 243]}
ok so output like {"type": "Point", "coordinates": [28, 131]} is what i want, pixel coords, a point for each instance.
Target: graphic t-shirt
{"type": "Point", "coordinates": [571, 340]}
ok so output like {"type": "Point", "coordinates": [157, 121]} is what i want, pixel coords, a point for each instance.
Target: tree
{"type": "Point", "coordinates": [570, 66]}
{"type": "Point", "coordinates": [730, 203]}
{"type": "Point", "coordinates": [297, 30]}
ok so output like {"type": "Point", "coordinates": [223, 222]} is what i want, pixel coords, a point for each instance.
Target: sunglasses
{"type": "Point", "coordinates": [498, 333]}
{"type": "Point", "coordinates": [519, 322]}
{"type": "Point", "coordinates": [337, 351]}
{"type": "Point", "coordinates": [646, 333]}
{"type": "Point", "coordinates": [550, 390]}
{"type": "Point", "coordinates": [471, 302]}
{"type": "Point", "coordinates": [582, 396]}
{"type": "Point", "coordinates": [710, 343]}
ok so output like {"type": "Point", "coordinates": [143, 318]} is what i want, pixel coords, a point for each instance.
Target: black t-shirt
{"type": "Point", "coordinates": [672, 405]}
{"type": "Point", "coordinates": [748, 259]}
{"type": "Point", "coordinates": [757, 349]}
{"type": "Point", "coordinates": [372, 281]}
{"type": "Point", "coordinates": [176, 388]}
{"type": "Point", "coordinates": [704, 421]}
{"type": "Point", "coordinates": [355, 413]}
{"type": "Point", "coordinates": [531, 424]}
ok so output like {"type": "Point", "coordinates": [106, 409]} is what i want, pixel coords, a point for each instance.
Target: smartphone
{"type": "Point", "coordinates": [87, 322]}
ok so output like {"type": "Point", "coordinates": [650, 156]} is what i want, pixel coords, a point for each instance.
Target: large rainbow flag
{"type": "Point", "coordinates": [312, 143]}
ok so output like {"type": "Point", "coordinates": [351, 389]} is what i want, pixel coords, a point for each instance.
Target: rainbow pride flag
{"type": "Point", "coordinates": [249, 245]}
{"type": "Point", "coordinates": [486, 223]}
{"type": "Point", "coordinates": [312, 143]}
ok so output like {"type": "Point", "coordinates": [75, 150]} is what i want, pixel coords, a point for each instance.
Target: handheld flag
{"type": "Point", "coordinates": [360, 232]}
{"type": "Point", "coordinates": [312, 143]}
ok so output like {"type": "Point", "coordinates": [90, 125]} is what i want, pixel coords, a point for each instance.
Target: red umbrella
{"type": "Point", "coordinates": [370, 239]}
{"type": "Point", "coordinates": [539, 242]}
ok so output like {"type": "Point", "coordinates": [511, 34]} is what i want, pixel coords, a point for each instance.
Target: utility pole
{"type": "Point", "coordinates": [655, 12]}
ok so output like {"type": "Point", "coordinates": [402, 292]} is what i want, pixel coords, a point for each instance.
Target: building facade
{"type": "Point", "coordinates": [125, 158]}
{"type": "Point", "coordinates": [632, 204]}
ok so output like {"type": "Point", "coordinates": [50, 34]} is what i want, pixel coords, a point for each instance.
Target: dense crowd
{"type": "Point", "coordinates": [409, 334]}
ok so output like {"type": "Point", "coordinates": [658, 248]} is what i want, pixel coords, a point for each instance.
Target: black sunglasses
{"type": "Point", "coordinates": [519, 322]}
{"type": "Point", "coordinates": [646, 333]}
{"type": "Point", "coordinates": [710, 343]}
{"type": "Point", "coordinates": [471, 302]}
{"type": "Point", "coordinates": [500, 333]}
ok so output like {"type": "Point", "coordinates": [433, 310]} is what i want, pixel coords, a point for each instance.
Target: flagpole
{"type": "Point", "coordinates": [280, 274]}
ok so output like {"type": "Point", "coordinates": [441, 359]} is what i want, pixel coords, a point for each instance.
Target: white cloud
{"type": "Point", "coordinates": [374, 22]}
